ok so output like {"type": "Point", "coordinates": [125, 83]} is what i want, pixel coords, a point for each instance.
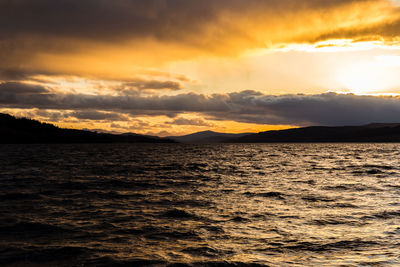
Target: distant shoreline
{"type": "Point", "coordinates": [27, 131]}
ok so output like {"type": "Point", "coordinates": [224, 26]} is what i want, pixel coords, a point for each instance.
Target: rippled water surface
{"type": "Point", "coordinates": [241, 204]}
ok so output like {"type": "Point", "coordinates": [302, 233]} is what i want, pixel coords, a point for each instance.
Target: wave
{"type": "Point", "coordinates": [277, 195]}
{"type": "Point", "coordinates": [340, 245]}
{"type": "Point", "coordinates": [179, 214]}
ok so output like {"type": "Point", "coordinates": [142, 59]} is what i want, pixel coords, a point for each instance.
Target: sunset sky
{"type": "Point", "coordinates": [170, 67]}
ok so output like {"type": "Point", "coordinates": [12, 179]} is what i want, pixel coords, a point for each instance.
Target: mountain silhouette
{"type": "Point", "coordinates": [27, 131]}
{"type": "Point", "coordinates": [374, 132]}
{"type": "Point", "coordinates": [206, 137]}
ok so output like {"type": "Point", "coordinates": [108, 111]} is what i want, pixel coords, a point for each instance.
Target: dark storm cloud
{"type": "Point", "coordinates": [245, 106]}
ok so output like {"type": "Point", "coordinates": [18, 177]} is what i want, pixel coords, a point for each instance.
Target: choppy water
{"type": "Point", "coordinates": [242, 204]}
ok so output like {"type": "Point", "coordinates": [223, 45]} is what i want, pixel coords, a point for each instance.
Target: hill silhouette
{"type": "Point", "coordinates": [206, 137]}
{"type": "Point", "coordinates": [374, 132]}
{"type": "Point", "coordinates": [26, 131]}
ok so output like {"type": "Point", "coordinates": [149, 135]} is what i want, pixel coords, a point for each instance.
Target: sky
{"type": "Point", "coordinates": [173, 67]}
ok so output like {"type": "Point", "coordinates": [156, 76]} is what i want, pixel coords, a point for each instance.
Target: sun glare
{"type": "Point", "coordinates": [367, 78]}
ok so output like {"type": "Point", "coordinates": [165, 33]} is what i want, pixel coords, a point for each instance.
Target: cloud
{"type": "Point", "coordinates": [153, 85]}
{"type": "Point", "coordinates": [193, 122]}
{"type": "Point", "coordinates": [320, 109]}
{"type": "Point", "coordinates": [244, 106]}
{"type": "Point", "coordinates": [113, 19]}
{"type": "Point", "coordinates": [11, 88]}
{"type": "Point", "coordinates": [107, 37]}
{"type": "Point", "coordinates": [164, 20]}
{"type": "Point", "coordinates": [12, 92]}
{"type": "Point", "coordinates": [96, 115]}
{"type": "Point", "coordinates": [53, 116]}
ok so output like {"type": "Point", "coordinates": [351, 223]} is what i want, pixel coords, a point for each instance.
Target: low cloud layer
{"type": "Point", "coordinates": [153, 85]}
{"type": "Point", "coordinates": [96, 115]}
{"type": "Point", "coordinates": [192, 122]}
{"type": "Point", "coordinates": [244, 106]}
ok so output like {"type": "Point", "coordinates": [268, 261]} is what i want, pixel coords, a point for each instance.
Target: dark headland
{"type": "Point", "coordinates": [26, 131]}
{"type": "Point", "coordinates": [374, 132]}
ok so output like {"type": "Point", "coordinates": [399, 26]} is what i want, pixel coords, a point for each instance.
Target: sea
{"type": "Point", "coordinates": [200, 205]}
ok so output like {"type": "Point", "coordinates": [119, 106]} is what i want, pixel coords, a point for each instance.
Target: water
{"type": "Point", "coordinates": [218, 205]}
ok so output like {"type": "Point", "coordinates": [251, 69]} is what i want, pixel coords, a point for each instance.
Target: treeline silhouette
{"type": "Point", "coordinates": [28, 131]}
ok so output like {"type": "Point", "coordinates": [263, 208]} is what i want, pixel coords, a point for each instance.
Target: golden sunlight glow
{"type": "Point", "coordinates": [369, 76]}
{"type": "Point", "coordinates": [395, 2]}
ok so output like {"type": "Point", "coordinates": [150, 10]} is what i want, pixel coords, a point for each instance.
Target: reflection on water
{"type": "Point", "coordinates": [272, 204]}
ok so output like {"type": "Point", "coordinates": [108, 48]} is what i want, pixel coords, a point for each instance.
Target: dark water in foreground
{"type": "Point", "coordinates": [243, 204]}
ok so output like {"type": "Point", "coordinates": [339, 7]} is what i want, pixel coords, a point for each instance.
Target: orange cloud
{"type": "Point", "coordinates": [117, 38]}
